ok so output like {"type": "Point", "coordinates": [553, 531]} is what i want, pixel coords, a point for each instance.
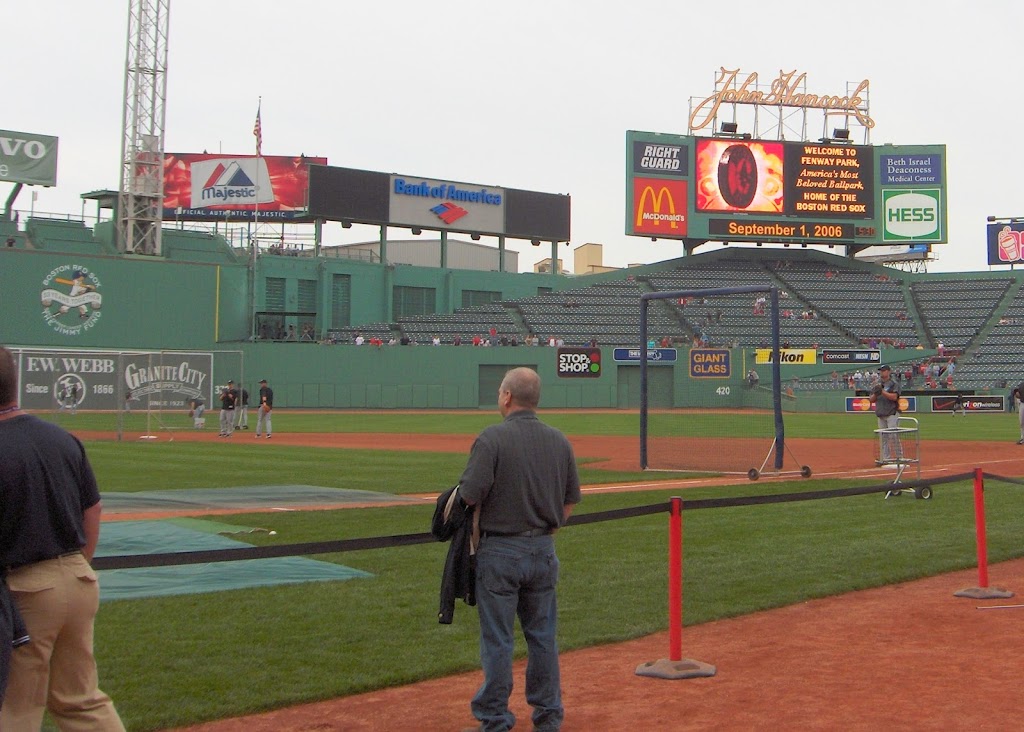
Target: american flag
{"type": "Point", "coordinates": [257, 130]}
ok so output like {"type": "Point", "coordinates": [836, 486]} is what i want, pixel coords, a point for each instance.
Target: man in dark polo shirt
{"type": "Point", "coordinates": [49, 526]}
{"type": "Point", "coordinates": [522, 477]}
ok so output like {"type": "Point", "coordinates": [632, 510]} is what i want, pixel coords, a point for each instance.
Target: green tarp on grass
{"type": "Point", "coordinates": [120, 538]}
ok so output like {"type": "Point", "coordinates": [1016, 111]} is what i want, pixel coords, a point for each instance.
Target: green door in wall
{"type": "Point", "coordinates": [661, 392]}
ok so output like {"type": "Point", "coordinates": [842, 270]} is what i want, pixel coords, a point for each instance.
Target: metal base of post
{"type": "Point", "coordinates": [668, 669]}
{"type": "Point", "coordinates": [983, 593]}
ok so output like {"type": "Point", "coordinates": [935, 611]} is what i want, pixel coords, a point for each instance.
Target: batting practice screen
{"type": "Point", "coordinates": [719, 431]}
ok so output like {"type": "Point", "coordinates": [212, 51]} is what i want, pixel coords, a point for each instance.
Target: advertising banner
{"type": "Point", "coordinates": [72, 380]}
{"type": "Point", "coordinates": [851, 355]}
{"type": "Point", "coordinates": [710, 363]}
{"type": "Point", "coordinates": [579, 363]}
{"type": "Point", "coordinates": [734, 188]}
{"type": "Point", "coordinates": [433, 204]}
{"type": "Point", "coordinates": [1006, 243]}
{"type": "Point", "coordinates": [203, 187]}
{"type": "Point", "coordinates": [862, 404]}
{"type": "Point", "coordinates": [26, 157]}
{"type": "Point", "coordinates": [654, 355]}
{"type": "Point", "coordinates": [991, 403]}
{"type": "Point", "coordinates": [807, 356]}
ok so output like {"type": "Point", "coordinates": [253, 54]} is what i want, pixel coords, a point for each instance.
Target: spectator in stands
{"type": "Point", "coordinates": [665, 342]}
{"type": "Point", "coordinates": [503, 339]}
{"type": "Point", "coordinates": [941, 348]}
{"type": "Point", "coordinates": [593, 342]}
{"type": "Point", "coordinates": [552, 342]}
{"type": "Point", "coordinates": [291, 334]}
{"type": "Point", "coordinates": [359, 339]}
{"type": "Point", "coordinates": [835, 379]}
{"type": "Point", "coordinates": [392, 341]}
{"type": "Point", "coordinates": [457, 340]}
{"type": "Point", "coordinates": [858, 379]}
{"type": "Point", "coordinates": [436, 340]}
{"type": "Point", "coordinates": [307, 332]}
{"type": "Point", "coordinates": [513, 341]}
{"type": "Point", "coordinates": [10, 242]}
{"type": "Point", "coordinates": [753, 379]}
{"type": "Point", "coordinates": [404, 340]}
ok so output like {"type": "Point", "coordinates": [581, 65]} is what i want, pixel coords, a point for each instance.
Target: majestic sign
{"type": "Point", "coordinates": [203, 187]}
{"type": "Point", "coordinates": [29, 158]}
{"type": "Point", "coordinates": [783, 92]}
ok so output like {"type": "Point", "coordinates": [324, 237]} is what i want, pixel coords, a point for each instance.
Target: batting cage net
{"type": "Point", "coordinates": [720, 410]}
{"type": "Point", "coordinates": [149, 392]}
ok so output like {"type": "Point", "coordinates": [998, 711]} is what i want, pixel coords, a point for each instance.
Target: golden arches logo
{"type": "Point", "coordinates": [657, 200]}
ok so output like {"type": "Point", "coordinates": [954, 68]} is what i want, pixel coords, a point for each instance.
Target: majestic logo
{"type": "Point", "coordinates": [448, 212]}
{"type": "Point", "coordinates": [659, 206]}
{"type": "Point", "coordinates": [230, 182]}
{"type": "Point", "coordinates": [75, 291]}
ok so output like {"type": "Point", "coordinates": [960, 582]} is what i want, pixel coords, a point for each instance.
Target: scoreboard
{"type": "Point", "coordinates": [739, 189]}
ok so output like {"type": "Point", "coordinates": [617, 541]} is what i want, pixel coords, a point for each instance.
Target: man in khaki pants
{"type": "Point", "coordinates": [49, 527]}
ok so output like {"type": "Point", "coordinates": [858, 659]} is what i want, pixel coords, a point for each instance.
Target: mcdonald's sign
{"type": "Point", "coordinates": [659, 207]}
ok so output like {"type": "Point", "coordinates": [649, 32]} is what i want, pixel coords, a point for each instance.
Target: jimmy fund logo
{"type": "Point", "coordinates": [579, 362]}
{"type": "Point", "coordinates": [71, 299]}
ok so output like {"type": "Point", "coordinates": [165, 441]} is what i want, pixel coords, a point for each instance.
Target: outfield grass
{"type": "Point", "coordinates": [180, 660]}
{"type": "Point", "coordinates": [1002, 426]}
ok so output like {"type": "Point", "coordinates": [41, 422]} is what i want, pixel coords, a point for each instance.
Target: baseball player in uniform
{"type": "Point", "coordinates": [243, 411]}
{"type": "Point", "coordinates": [1018, 402]}
{"type": "Point", "coordinates": [228, 398]}
{"type": "Point", "coordinates": [195, 411]}
{"type": "Point", "coordinates": [886, 398]}
{"type": "Point", "coordinates": [265, 408]}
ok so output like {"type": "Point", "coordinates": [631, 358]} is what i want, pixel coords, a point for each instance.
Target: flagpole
{"type": "Point", "coordinates": [257, 130]}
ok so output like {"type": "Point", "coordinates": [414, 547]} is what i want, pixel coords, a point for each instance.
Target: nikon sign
{"type": "Point", "coordinates": [29, 158]}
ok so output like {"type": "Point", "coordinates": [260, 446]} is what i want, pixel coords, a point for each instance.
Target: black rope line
{"type": "Point", "coordinates": [208, 556]}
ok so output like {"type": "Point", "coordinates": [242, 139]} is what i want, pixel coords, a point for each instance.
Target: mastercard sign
{"type": "Point", "coordinates": [862, 404]}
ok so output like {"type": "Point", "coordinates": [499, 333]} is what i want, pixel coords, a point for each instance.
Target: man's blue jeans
{"type": "Point", "coordinates": [517, 576]}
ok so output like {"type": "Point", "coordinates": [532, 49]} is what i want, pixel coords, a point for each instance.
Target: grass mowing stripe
{"type": "Point", "coordinates": [244, 651]}
{"type": "Point", "coordinates": [625, 423]}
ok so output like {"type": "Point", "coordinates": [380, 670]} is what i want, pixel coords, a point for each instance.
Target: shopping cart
{"type": "Point", "coordinates": [900, 447]}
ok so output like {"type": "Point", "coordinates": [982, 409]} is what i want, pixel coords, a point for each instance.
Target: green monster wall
{"type": "Point", "coordinates": [150, 303]}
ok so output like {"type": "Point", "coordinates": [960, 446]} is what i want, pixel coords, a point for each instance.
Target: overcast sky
{"type": "Point", "coordinates": [525, 94]}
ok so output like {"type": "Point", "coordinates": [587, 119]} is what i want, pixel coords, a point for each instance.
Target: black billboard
{"type": "Point", "coordinates": [368, 197]}
{"type": "Point", "coordinates": [533, 215]}
{"type": "Point", "coordinates": [346, 194]}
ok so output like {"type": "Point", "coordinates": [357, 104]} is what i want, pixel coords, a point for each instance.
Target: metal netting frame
{"type": "Point", "coordinates": [779, 443]}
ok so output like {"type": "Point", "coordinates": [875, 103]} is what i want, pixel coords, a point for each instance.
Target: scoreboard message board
{"type": "Point", "coordinates": [737, 189]}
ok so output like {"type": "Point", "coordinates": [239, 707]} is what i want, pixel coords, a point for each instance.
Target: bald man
{"type": "Point", "coordinates": [522, 477]}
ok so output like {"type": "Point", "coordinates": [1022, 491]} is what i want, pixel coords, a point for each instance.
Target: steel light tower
{"type": "Point", "coordinates": [140, 203]}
